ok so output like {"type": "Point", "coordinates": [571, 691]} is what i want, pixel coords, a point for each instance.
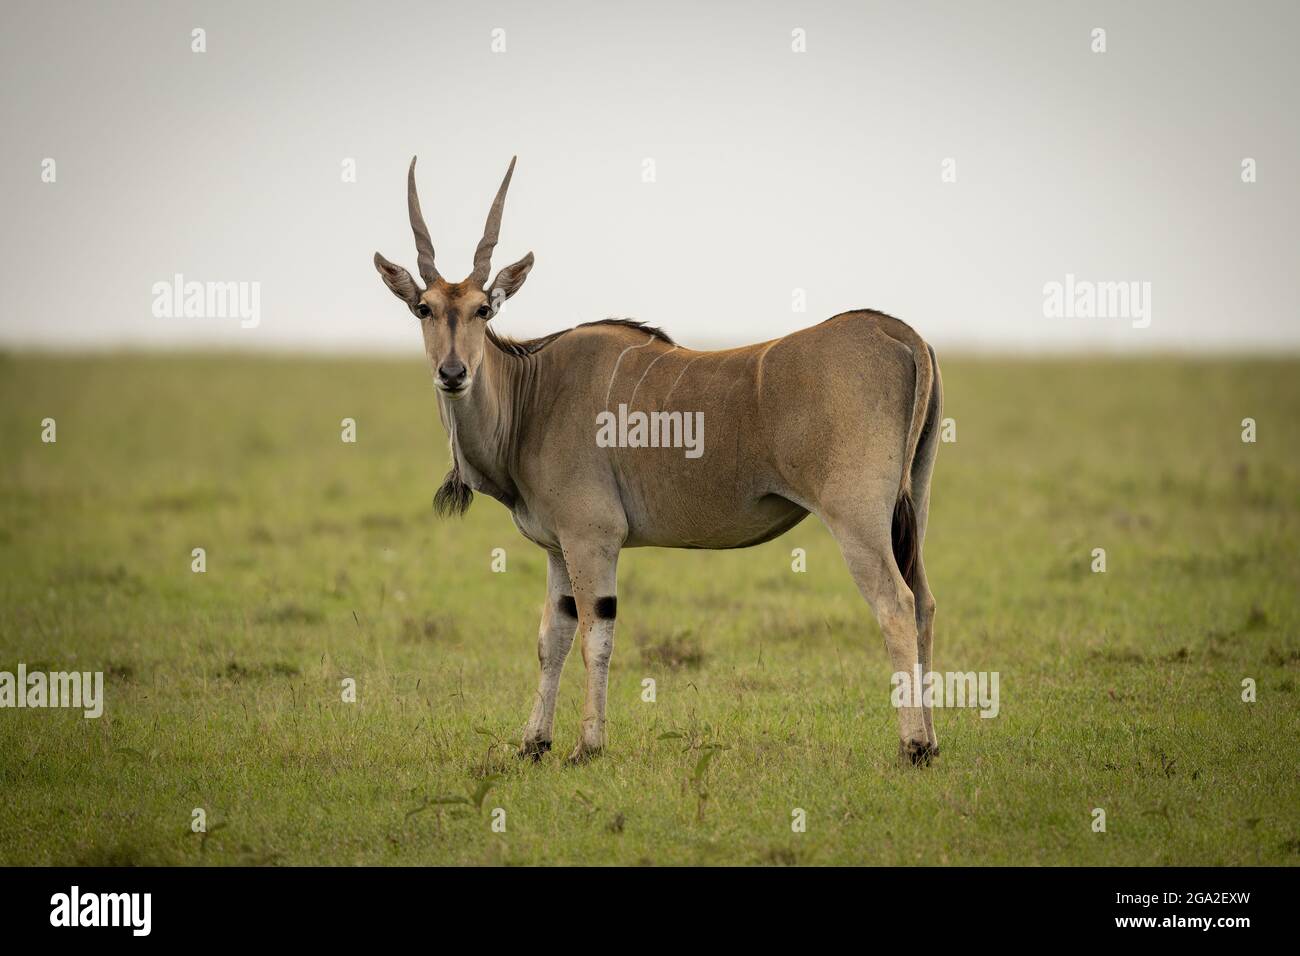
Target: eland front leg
{"type": "Point", "coordinates": [554, 638]}
{"type": "Point", "coordinates": [593, 569]}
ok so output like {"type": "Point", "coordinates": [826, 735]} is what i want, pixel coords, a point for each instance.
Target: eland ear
{"type": "Point", "coordinates": [509, 281]}
{"type": "Point", "coordinates": [398, 280]}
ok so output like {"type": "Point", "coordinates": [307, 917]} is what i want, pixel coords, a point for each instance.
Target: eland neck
{"type": "Point", "coordinates": [482, 424]}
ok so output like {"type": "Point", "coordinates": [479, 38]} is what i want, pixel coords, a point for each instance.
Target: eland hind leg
{"type": "Point", "coordinates": [925, 607]}
{"type": "Point", "coordinates": [925, 634]}
{"type": "Point", "coordinates": [861, 523]}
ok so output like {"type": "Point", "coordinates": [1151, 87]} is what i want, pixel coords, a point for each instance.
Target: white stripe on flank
{"type": "Point", "coordinates": [609, 390]}
{"type": "Point", "coordinates": [631, 400]}
{"type": "Point", "coordinates": [679, 378]}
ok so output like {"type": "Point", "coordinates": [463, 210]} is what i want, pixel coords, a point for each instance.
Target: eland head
{"type": "Point", "coordinates": [454, 315]}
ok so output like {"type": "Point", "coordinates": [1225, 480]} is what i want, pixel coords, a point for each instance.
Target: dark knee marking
{"type": "Point", "coordinates": [607, 608]}
{"type": "Point", "coordinates": [566, 605]}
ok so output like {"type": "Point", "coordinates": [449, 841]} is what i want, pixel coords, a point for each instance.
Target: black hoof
{"type": "Point", "coordinates": [583, 755]}
{"type": "Point", "coordinates": [919, 755]}
{"type": "Point", "coordinates": [534, 749]}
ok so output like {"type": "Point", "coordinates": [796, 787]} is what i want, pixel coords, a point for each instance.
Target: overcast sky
{"type": "Point", "coordinates": [774, 170]}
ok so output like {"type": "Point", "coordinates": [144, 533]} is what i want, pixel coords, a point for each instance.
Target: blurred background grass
{"type": "Point", "coordinates": [324, 560]}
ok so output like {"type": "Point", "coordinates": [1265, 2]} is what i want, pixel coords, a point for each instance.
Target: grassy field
{"type": "Point", "coordinates": [1119, 691]}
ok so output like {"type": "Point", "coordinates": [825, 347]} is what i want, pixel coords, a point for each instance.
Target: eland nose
{"type": "Point", "coordinates": [452, 374]}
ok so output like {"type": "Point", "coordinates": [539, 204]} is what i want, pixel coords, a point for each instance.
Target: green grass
{"type": "Point", "coordinates": [1119, 690]}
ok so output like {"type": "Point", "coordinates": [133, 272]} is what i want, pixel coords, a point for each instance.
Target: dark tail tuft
{"type": "Point", "coordinates": [454, 497]}
{"type": "Point", "coordinates": [904, 535]}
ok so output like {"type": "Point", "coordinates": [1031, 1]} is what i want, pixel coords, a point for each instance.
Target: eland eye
{"type": "Point", "coordinates": [422, 311]}
{"type": "Point", "coordinates": [483, 312]}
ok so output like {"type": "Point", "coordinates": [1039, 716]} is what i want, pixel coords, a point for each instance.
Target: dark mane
{"type": "Point", "coordinates": [528, 347]}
